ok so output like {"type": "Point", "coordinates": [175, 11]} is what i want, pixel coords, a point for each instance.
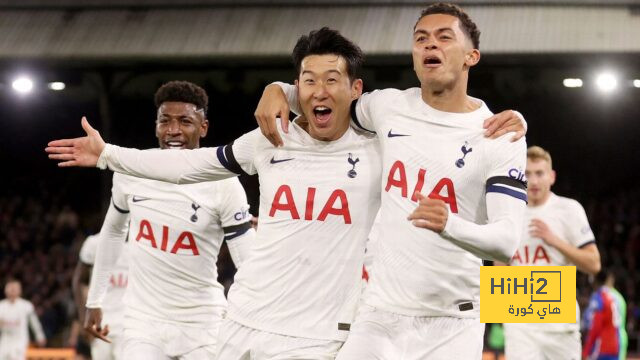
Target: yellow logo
{"type": "Point", "coordinates": [528, 294]}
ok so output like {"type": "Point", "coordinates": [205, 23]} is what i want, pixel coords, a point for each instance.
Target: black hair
{"type": "Point", "coordinates": [467, 25]}
{"type": "Point", "coordinates": [182, 91]}
{"type": "Point", "coordinates": [328, 41]}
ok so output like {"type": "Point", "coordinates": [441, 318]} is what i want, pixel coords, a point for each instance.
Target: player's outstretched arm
{"type": "Point", "coordinates": [93, 324]}
{"type": "Point", "coordinates": [505, 122]}
{"type": "Point", "coordinates": [82, 151]}
{"type": "Point", "coordinates": [174, 166]}
{"type": "Point", "coordinates": [273, 104]}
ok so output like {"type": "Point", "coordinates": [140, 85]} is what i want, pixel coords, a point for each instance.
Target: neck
{"type": "Point", "coordinates": [449, 97]}
{"type": "Point", "coordinates": [541, 201]}
{"type": "Point", "coordinates": [304, 124]}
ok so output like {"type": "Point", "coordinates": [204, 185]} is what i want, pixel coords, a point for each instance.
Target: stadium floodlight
{"type": "Point", "coordinates": [56, 85]}
{"type": "Point", "coordinates": [636, 83]}
{"type": "Point", "coordinates": [22, 85]}
{"type": "Point", "coordinates": [606, 82]}
{"type": "Point", "coordinates": [572, 83]}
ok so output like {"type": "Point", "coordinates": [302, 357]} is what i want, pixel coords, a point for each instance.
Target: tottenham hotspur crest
{"type": "Point", "coordinates": [352, 173]}
{"type": "Point", "coordinates": [195, 207]}
{"type": "Point", "coordinates": [465, 150]}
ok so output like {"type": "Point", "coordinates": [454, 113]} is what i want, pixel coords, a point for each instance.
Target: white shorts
{"type": "Point", "coordinates": [523, 343]}
{"type": "Point", "coordinates": [381, 335]}
{"type": "Point", "coordinates": [238, 342]}
{"type": "Point", "coordinates": [162, 340]}
{"type": "Point", "coordinates": [102, 350]}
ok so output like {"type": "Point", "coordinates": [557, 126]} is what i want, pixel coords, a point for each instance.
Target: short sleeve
{"type": "Point", "coordinates": [88, 250]}
{"type": "Point", "coordinates": [579, 230]}
{"type": "Point", "coordinates": [234, 210]}
{"type": "Point", "coordinates": [238, 156]}
{"type": "Point", "coordinates": [505, 174]}
{"type": "Point", "coordinates": [118, 194]}
{"type": "Point", "coordinates": [362, 111]}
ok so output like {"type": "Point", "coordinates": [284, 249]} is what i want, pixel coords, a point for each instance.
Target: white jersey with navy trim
{"type": "Point", "coordinates": [567, 219]}
{"type": "Point", "coordinates": [318, 201]}
{"type": "Point", "coordinates": [445, 155]}
{"type": "Point", "coordinates": [176, 232]}
{"type": "Point", "coordinates": [112, 305]}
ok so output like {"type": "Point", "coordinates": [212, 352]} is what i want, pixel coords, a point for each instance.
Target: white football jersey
{"type": "Point", "coordinates": [317, 203]}
{"type": "Point", "coordinates": [14, 319]}
{"type": "Point", "coordinates": [175, 235]}
{"type": "Point", "coordinates": [444, 155]}
{"type": "Point", "coordinates": [567, 219]}
{"type": "Point", "coordinates": [112, 305]}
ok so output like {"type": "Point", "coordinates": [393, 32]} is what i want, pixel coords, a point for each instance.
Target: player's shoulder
{"type": "Point", "coordinates": [227, 185]}
{"type": "Point", "coordinates": [391, 95]}
{"type": "Point", "coordinates": [91, 240]}
{"type": "Point", "coordinates": [26, 304]}
{"type": "Point", "coordinates": [568, 204]}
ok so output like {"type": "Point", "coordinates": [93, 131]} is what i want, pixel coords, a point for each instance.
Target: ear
{"type": "Point", "coordinates": [472, 57]}
{"type": "Point", "coordinates": [356, 89]}
{"type": "Point", "coordinates": [204, 128]}
{"type": "Point", "coordinates": [553, 177]}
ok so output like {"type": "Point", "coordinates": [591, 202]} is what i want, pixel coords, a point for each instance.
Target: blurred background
{"type": "Point", "coordinates": [571, 67]}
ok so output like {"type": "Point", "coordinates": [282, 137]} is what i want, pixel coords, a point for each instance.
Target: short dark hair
{"type": "Point", "coordinates": [182, 91]}
{"type": "Point", "coordinates": [328, 41]}
{"type": "Point", "coordinates": [468, 26]}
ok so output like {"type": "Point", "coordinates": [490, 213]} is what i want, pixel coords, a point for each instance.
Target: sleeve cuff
{"type": "Point", "coordinates": [451, 225]}
{"type": "Point", "coordinates": [104, 156]}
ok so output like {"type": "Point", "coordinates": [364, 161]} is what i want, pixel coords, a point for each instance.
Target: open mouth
{"type": "Point", "coordinates": [174, 144]}
{"type": "Point", "coordinates": [322, 114]}
{"type": "Point", "coordinates": [432, 61]}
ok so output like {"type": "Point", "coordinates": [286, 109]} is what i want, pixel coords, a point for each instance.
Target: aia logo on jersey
{"type": "Point", "coordinates": [352, 173]}
{"type": "Point", "coordinates": [539, 255]}
{"type": "Point", "coordinates": [336, 205]}
{"type": "Point", "coordinates": [465, 150]}
{"type": "Point", "coordinates": [398, 179]}
{"type": "Point", "coordinates": [184, 244]}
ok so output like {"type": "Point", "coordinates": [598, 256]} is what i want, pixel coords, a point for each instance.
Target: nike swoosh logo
{"type": "Point", "coordinates": [274, 161]}
{"type": "Point", "coordinates": [390, 134]}
{"type": "Point", "coordinates": [138, 199]}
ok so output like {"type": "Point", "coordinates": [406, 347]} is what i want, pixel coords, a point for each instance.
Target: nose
{"type": "Point", "coordinates": [430, 44]}
{"type": "Point", "coordinates": [173, 128]}
{"type": "Point", "coordinates": [320, 92]}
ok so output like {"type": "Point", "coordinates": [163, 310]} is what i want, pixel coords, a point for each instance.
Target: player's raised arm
{"type": "Point", "coordinates": [274, 103]}
{"type": "Point", "coordinates": [175, 166]}
{"type": "Point", "coordinates": [82, 151]}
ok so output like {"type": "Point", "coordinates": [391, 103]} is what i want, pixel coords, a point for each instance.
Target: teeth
{"type": "Point", "coordinates": [321, 108]}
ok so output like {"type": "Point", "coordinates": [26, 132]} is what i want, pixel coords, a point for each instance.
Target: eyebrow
{"type": "Point", "coordinates": [440, 30]}
{"type": "Point", "coordinates": [326, 72]}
